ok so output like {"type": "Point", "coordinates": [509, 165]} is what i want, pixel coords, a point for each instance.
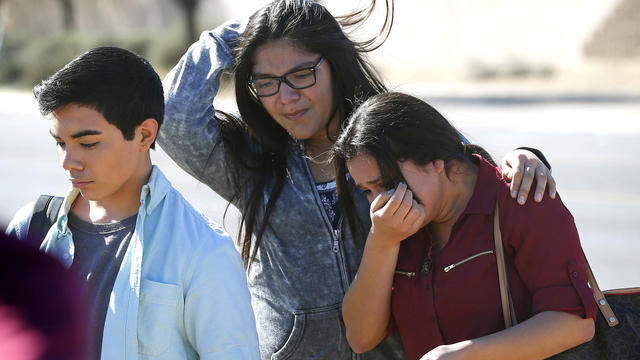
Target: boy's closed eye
{"type": "Point", "coordinates": [89, 145]}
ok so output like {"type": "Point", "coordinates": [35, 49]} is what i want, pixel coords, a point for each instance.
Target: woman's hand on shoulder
{"type": "Point", "coordinates": [395, 215]}
{"type": "Point", "coordinates": [520, 167]}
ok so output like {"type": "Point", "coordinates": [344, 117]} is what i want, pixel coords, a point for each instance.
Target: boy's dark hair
{"type": "Point", "coordinates": [119, 84]}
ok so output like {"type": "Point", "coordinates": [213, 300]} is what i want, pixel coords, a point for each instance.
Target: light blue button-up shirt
{"type": "Point", "coordinates": [181, 291]}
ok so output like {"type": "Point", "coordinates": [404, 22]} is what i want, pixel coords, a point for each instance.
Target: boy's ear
{"type": "Point", "coordinates": [439, 166]}
{"type": "Point", "coordinates": [147, 132]}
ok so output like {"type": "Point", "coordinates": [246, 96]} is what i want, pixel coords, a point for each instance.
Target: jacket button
{"type": "Point", "coordinates": [574, 274]}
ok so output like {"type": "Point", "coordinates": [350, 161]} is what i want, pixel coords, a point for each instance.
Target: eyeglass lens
{"type": "Point", "coordinates": [297, 80]}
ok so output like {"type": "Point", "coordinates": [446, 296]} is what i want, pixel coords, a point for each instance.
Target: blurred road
{"type": "Point", "coordinates": [594, 149]}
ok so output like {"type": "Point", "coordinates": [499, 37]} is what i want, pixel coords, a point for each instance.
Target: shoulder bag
{"type": "Point", "coordinates": [617, 334]}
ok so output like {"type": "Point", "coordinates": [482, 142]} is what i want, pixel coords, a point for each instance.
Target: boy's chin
{"type": "Point", "coordinates": [89, 195]}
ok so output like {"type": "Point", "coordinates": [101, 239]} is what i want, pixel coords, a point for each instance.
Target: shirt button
{"type": "Point", "coordinates": [574, 274]}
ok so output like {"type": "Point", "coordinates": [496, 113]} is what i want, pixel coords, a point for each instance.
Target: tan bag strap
{"type": "Point", "coordinates": [505, 295]}
{"type": "Point", "coordinates": [603, 305]}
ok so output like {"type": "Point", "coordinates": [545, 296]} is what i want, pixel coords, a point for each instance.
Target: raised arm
{"type": "Point", "coordinates": [190, 129]}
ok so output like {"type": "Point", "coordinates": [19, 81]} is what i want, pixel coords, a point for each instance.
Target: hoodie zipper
{"type": "Point", "coordinates": [338, 233]}
{"type": "Point", "coordinates": [453, 266]}
{"type": "Point", "coordinates": [335, 234]}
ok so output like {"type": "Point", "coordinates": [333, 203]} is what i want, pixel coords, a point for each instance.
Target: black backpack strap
{"type": "Point", "coordinates": [45, 213]}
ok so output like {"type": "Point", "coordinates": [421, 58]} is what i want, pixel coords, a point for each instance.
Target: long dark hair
{"type": "Point", "coordinates": [310, 26]}
{"type": "Point", "coordinates": [394, 127]}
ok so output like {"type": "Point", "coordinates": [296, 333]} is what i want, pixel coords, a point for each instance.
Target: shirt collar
{"type": "Point", "coordinates": [153, 192]}
{"type": "Point", "coordinates": [485, 192]}
{"type": "Point", "coordinates": [69, 198]}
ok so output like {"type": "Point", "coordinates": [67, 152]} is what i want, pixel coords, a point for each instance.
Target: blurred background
{"type": "Point", "coordinates": [559, 75]}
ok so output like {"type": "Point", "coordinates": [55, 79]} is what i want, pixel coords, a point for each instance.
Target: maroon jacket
{"type": "Point", "coordinates": [544, 258]}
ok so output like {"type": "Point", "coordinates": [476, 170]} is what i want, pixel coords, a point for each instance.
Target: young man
{"type": "Point", "coordinates": [162, 281]}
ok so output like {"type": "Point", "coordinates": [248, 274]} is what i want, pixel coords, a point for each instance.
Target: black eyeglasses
{"type": "Point", "coordinates": [296, 79]}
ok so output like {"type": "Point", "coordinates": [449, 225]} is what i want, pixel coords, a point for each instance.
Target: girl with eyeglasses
{"type": "Point", "coordinates": [297, 78]}
{"type": "Point", "coordinates": [429, 266]}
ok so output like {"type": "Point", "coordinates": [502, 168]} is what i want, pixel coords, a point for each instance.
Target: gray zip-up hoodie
{"type": "Point", "coordinates": [303, 267]}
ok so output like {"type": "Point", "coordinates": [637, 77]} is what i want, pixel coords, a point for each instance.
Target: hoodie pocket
{"type": "Point", "coordinates": [316, 333]}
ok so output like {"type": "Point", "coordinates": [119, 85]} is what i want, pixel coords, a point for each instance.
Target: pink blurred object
{"type": "Point", "coordinates": [42, 311]}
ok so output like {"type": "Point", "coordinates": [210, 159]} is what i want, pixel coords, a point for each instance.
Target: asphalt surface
{"type": "Point", "coordinates": [592, 144]}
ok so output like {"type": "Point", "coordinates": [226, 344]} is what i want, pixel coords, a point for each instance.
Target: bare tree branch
{"type": "Point", "coordinates": [189, 12]}
{"type": "Point", "coordinates": [68, 17]}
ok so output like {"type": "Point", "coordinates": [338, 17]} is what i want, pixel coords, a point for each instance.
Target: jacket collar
{"type": "Point", "coordinates": [152, 194]}
{"type": "Point", "coordinates": [484, 195]}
